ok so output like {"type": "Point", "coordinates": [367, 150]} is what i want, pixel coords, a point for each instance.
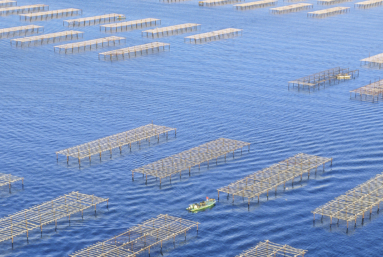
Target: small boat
{"type": "Point", "coordinates": [202, 205]}
{"type": "Point", "coordinates": [343, 76]}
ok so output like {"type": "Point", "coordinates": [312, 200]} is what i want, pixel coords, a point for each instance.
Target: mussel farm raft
{"type": "Point", "coordinates": [7, 3]}
{"type": "Point", "coordinates": [47, 38]}
{"type": "Point", "coordinates": [16, 31]}
{"type": "Point", "coordinates": [8, 179]}
{"type": "Point", "coordinates": [369, 92]}
{"type": "Point", "coordinates": [369, 4]}
{"type": "Point", "coordinates": [257, 4]}
{"type": "Point", "coordinates": [56, 14]}
{"type": "Point", "coordinates": [130, 25]}
{"type": "Point", "coordinates": [270, 249]}
{"type": "Point", "coordinates": [171, 30]}
{"type": "Point", "coordinates": [291, 8]}
{"type": "Point", "coordinates": [23, 9]}
{"type": "Point", "coordinates": [89, 21]}
{"type": "Point", "coordinates": [375, 61]}
{"type": "Point", "coordinates": [134, 51]}
{"type": "Point", "coordinates": [217, 2]}
{"type": "Point", "coordinates": [214, 35]}
{"type": "Point", "coordinates": [95, 43]}
{"type": "Point", "coordinates": [331, 2]}
{"type": "Point", "coordinates": [328, 12]}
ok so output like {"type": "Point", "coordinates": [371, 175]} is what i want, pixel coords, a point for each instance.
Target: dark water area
{"type": "Point", "coordinates": [234, 88]}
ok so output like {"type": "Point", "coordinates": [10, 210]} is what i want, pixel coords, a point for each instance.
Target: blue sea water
{"type": "Point", "coordinates": [235, 88]}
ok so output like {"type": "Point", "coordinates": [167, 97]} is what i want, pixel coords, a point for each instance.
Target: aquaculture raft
{"type": "Point", "coordinates": [51, 14]}
{"type": "Point", "coordinates": [214, 35]}
{"type": "Point", "coordinates": [15, 31]}
{"type": "Point", "coordinates": [355, 202]}
{"type": "Point", "coordinates": [8, 179]}
{"type": "Point", "coordinates": [118, 140]}
{"type": "Point", "coordinates": [373, 61]}
{"type": "Point", "coordinates": [96, 43]}
{"type": "Point", "coordinates": [270, 178]}
{"type": "Point", "coordinates": [268, 249]}
{"type": "Point", "coordinates": [135, 51]}
{"type": "Point", "coordinates": [175, 164]}
{"type": "Point", "coordinates": [217, 2]}
{"type": "Point", "coordinates": [35, 217]}
{"type": "Point", "coordinates": [369, 4]}
{"type": "Point", "coordinates": [291, 8]}
{"type": "Point", "coordinates": [140, 238]}
{"type": "Point", "coordinates": [369, 92]}
{"type": "Point", "coordinates": [23, 9]}
{"type": "Point", "coordinates": [7, 3]}
{"type": "Point", "coordinates": [328, 12]}
{"type": "Point", "coordinates": [136, 24]}
{"type": "Point", "coordinates": [94, 20]}
{"type": "Point", "coordinates": [171, 30]}
{"type": "Point", "coordinates": [257, 4]}
{"type": "Point", "coordinates": [331, 2]}
{"type": "Point", "coordinates": [48, 38]}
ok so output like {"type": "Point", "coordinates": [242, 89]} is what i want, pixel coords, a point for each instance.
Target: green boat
{"type": "Point", "coordinates": [202, 205]}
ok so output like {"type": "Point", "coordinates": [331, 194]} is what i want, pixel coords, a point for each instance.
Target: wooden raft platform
{"type": "Point", "coordinates": [265, 180]}
{"type": "Point", "coordinates": [130, 25]}
{"type": "Point", "coordinates": [373, 61]}
{"type": "Point", "coordinates": [355, 202]}
{"type": "Point", "coordinates": [48, 38]}
{"type": "Point", "coordinates": [217, 2]}
{"type": "Point", "coordinates": [23, 9]}
{"type": "Point", "coordinates": [89, 21]}
{"type": "Point", "coordinates": [135, 51]}
{"type": "Point", "coordinates": [22, 30]}
{"type": "Point", "coordinates": [7, 3]}
{"type": "Point", "coordinates": [214, 35]}
{"type": "Point", "coordinates": [270, 249]}
{"type": "Point", "coordinates": [291, 8]}
{"type": "Point", "coordinates": [95, 43]}
{"type": "Point", "coordinates": [328, 12]}
{"type": "Point", "coordinates": [369, 92]}
{"type": "Point", "coordinates": [331, 2]}
{"type": "Point", "coordinates": [177, 163]}
{"type": "Point", "coordinates": [51, 14]}
{"type": "Point", "coordinates": [257, 4]}
{"type": "Point", "coordinates": [8, 179]}
{"type": "Point", "coordinates": [140, 238]}
{"type": "Point", "coordinates": [171, 30]}
{"type": "Point", "coordinates": [173, 1]}
{"type": "Point", "coordinates": [35, 217]}
{"type": "Point", "coordinates": [369, 4]}
{"type": "Point", "coordinates": [118, 140]}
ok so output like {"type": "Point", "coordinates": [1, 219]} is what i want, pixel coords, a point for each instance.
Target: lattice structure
{"type": "Point", "coordinates": [214, 35]}
{"type": "Point", "coordinates": [95, 43]}
{"type": "Point", "coordinates": [331, 2]}
{"type": "Point", "coordinates": [173, 1]}
{"type": "Point", "coordinates": [35, 217]}
{"type": "Point", "coordinates": [355, 202]}
{"type": "Point", "coordinates": [22, 30]}
{"type": "Point", "coordinates": [257, 4]}
{"type": "Point", "coordinates": [140, 238]}
{"type": "Point", "coordinates": [89, 21]}
{"type": "Point", "coordinates": [369, 4]}
{"type": "Point", "coordinates": [7, 3]}
{"type": "Point", "coordinates": [23, 9]}
{"type": "Point", "coordinates": [8, 179]}
{"type": "Point", "coordinates": [265, 180]}
{"type": "Point", "coordinates": [293, 0]}
{"type": "Point", "coordinates": [118, 140]}
{"type": "Point", "coordinates": [135, 51]}
{"type": "Point", "coordinates": [369, 92]}
{"type": "Point", "coordinates": [373, 61]}
{"type": "Point", "coordinates": [48, 38]}
{"type": "Point", "coordinates": [51, 14]}
{"type": "Point", "coordinates": [270, 249]}
{"type": "Point", "coordinates": [291, 8]}
{"type": "Point", "coordinates": [131, 25]}
{"type": "Point", "coordinates": [171, 30]}
{"type": "Point", "coordinates": [328, 12]}
{"type": "Point", "coordinates": [217, 2]}
{"type": "Point", "coordinates": [334, 75]}
{"type": "Point", "coordinates": [177, 163]}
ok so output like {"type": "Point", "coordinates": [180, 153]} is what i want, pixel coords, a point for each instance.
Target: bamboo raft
{"type": "Point", "coordinates": [291, 8]}
{"type": "Point", "coordinates": [96, 43]}
{"type": "Point", "coordinates": [328, 12]}
{"type": "Point", "coordinates": [214, 35]}
{"type": "Point", "coordinates": [331, 2]}
{"type": "Point", "coordinates": [51, 14]}
{"type": "Point", "coordinates": [8, 179]}
{"type": "Point", "coordinates": [268, 249]}
{"type": "Point", "coordinates": [373, 61]}
{"type": "Point", "coordinates": [23, 9]}
{"type": "Point", "coordinates": [369, 92]}
{"type": "Point", "coordinates": [355, 202]}
{"type": "Point", "coordinates": [7, 3]}
{"type": "Point", "coordinates": [131, 25]}
{"type": "Point", "coordinates": [319, 79]}
{"type": "Point", "coordinates": [171, 30]}
{"type": "Point", "coordinates": [257, 4]}
{"type": "Point", "coordinates": [89, 21]}
{"type": "Point", "coordinates": [46, 38]}
{"type": "Point", "coordinates": [17, 31]}
{"type": "Point", "coordinates": [35, 217]}
{"type": "Point", "coordinates": [140, 238]}
{"type": "Point", "coordinates": [177, 163]}
{"type": "Point", "coordinates": [217, 2]}
{"type": "Point", "coordinates": [265, 180]}
{"type": "Point", "coordinates": [369, 4]}
{"type": "Point", "coordinates": [118, 140]}
{"type": "Point", "coordinates": [135, 51]}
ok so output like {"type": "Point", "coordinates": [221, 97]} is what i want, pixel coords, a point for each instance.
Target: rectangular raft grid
{"type": "Point", "coordinates": [257, 4]}
{"type": "Point", "coordinates": [23, 9]}
{"type": "Point", "coordinates": [96, 43]}
{"type": "Point", "coordinates": [270, 249]}
{"type": "Point", "coordinates": [171, 30]}
{"type": "Point", "coordinates": [135, 51]}
{"type": "Point", "coordinates": [106, 18]}
{"type": "Point", "coordinates": [328, 12]}
{"type": "Point", "coordinates": [35, 217]}
{"type": "Point", "coordinates": [369, 92]}
{"type": "Point", "coordinates": [7, 3]}
{"type": "Point", "coordinates": [173, 1]}
{"type": "Point", "coordinates": [140, 238]}
{"type": "Point", "coordinates": [291, 8]}
{"type": "Point", "coordinates": [331, 2]}
{"type": "Point", "coordinates": [217, 2]}
{"type": "Point", "coordinates": [16, 31]}
{"type": "Point", "coordinates": [369, 4]}
{"type": "Point", "coordinates": [118, 140]}
{"type": "Point", "coordinates": [130, 25]}
{"type": "Point", "coordinates": [355, 202]}
{"type": "Point", "coordinates": [177, 163]}
{"type": "Point", "coordinates": [8, 179]}
{"type": "Point", "coordinates": [373, 61]}
{"type": "Point", "coordinates": [278, 174]}
{"type": "Point", "coordinates": [46, 38]}
{"type": "Point", "coordinates": [51, 14]}
{"type": "Point", "coordinates": [214, 35]}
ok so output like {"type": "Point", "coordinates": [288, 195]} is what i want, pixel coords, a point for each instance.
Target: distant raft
{"type": "Point", "coordinates": [8, 179]}
{"type": "Point", "coordinates": [171, 30]}
{"type": "Point", "coordinates": [95, 43]}
{"type": "Point", "coordinates": [22, 30]}
{"type": "Point", "coordinates": [89, 21]}
{"type": "Point", "coordinates": [331, 2]}
{"type": "Point", "coordinates": [217, 2]}
{"type": "Point", "coordinates": [173, 1]}
{"type": "Point", "coordinates": [214, 35]}
{"type": "Point", "coordinates": [374, 61]}
{"type": "Point", "coordinates": [268, 249]}
{"type": "Point", "coordinates": [328, 12]}
{"type": "Point", "coordinates": [23, 9]}
{"type": "Point", "coordinates": [291, 8]}
{"type": "Point", "coordinates": [130, 25]}
{"type": "Point", "coordinates": [134, 51]}
{"type": "Point", "coordinates": [257, 4]}
{"type": "Point", "coordinates": [369, 4]}
{"type": "Point", "coordinates": [47, 38]}
{"type": "Point", "coordinates": [369, 92]}
{"type": "Point", "coordinates": [7, 3]}
{"type": "Point", "coordinates": [51, 14]}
